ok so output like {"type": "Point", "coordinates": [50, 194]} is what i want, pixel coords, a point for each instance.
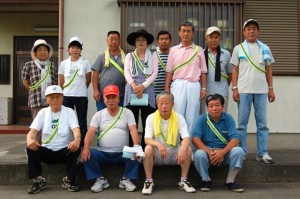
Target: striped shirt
{"type": "Point", "coordinates": [161, 76]}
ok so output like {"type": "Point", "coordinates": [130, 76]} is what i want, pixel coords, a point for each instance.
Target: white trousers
{"type": "Point", "coordinates": [187, 101]}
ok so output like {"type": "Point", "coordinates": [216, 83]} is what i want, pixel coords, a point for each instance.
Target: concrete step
{"type": "Point", "coordinates": [286, 169]}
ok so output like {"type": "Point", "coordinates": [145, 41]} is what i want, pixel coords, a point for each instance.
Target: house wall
{"type": "Point", "coordinates": [21, 24]}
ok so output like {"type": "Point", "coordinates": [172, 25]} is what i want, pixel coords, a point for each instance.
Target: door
{"type": "Point", "coordinates": [22, 49]}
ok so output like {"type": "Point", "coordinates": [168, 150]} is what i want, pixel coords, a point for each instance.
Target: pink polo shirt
{"type": "Point", "coordinates": [192, 71]}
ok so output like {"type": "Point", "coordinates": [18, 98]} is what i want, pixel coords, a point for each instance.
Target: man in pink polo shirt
{"type": "Point", "coordinates": [187, 68]}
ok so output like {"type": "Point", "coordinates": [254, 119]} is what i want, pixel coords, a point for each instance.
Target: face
{"type": "Point", "coordinates": [164, 42]}
{"type": "Point", "coordinates": [186, 34]}
{"type": "Point", "coordinates": [251, 33]}
{"type": "Point", "coordinates": [55, 100]}
{"type": "Point", "coordinates": [42, 53]}
{"type": "Point", "coordinates": [113, 41]}
{"type": "Point", "coordinates": [215, 108]}
{"type": "Point", "coordinates": [74, 51]}
{"type": "Point", "coordinates": [213, 40]}
{"type": "Point", "coordinates": [141, 42]}
{"type": "Point", "coordinates": [164, 106]}
{"type": "Point", "coordinates": [111, 101]}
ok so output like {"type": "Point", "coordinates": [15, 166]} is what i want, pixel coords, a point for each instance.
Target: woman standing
{"type": "Point", "coordinates": [140, 68]}
{"type": "Point", "coordinates": [75, 78]}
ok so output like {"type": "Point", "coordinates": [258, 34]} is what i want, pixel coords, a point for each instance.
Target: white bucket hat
{"type": "Point", "coordinates": [36, 44]}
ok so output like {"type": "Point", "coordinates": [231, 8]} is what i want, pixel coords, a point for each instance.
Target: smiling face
{"type": "Point", "coordinates": [74, 51]}
{"type": "Point", "coordinates": [141, 43]}
{"type": "Point", "coordinates": [251, 32]}
{"type": "Point", "coordinates": [42, 52]}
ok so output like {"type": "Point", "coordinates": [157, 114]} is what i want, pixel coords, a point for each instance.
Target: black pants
{"type": "Point", "coordinates": [43, 154]}
{"type": "Point", "coordinates": [145, 111]}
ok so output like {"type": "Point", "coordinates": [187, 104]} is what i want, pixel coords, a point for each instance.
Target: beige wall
{"type": "Point", "coordinates": [21, 24]}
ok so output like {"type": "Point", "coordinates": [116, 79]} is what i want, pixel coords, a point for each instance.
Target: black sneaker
{"type": "Point", "coordinates": [234, 187]}
{"type": "Point", "coordinates": [38, 185]}
{"type": "Point", "coordinates": [206, 186]}
{"type": "Point", "coordinates": [71, 186]}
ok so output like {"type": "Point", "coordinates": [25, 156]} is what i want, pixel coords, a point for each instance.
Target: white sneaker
{"type": "Point", "coordinates": [127, 185]}
{"type": "Point", "coordinates": [148, 188]}
{"type": "Point", "coordinates": [100, 184]}
{"type": "Point", "coordinates": [266, 159]}
{"type": "Point", "coordinates": [186, 186]}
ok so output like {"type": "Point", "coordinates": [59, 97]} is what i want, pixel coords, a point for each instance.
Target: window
{"type": "Point", "coordinates": [4, 69]}
{"type": "Point", "coordinates": [168, 14]}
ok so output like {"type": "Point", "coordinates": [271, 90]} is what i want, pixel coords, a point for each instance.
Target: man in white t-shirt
{"type": "Point", "coordinates": [164, 128]}
{"type": "Point", "coordinates": [60, 141]}
{"type": "Point", "coordinates": [252, 83]}
{"type": "Point", "coordinates": [114, 124]}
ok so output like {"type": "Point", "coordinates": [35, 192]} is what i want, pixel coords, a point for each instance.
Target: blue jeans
{"type": "Point", "coordinates": [235, 159]}
{"type": "Point", "coordinates": [100, 158]}
{"type": "Point", "coordinates": [260, 111]}
{"type": "Point", "coordinates": [80, 104]}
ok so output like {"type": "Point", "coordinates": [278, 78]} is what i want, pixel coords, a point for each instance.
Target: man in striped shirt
{"type": "Point", "coordinates": [164, 40]}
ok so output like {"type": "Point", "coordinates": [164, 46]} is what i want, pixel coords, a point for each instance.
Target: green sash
{"type": "Point", "coordinates": [260, 69]}
{"type": "Point", "coordinates": [72, 79]}
{"type": "Point", "coordinates": [216, 132]}
{"type": "Point", "coordinates": [38, 84]}
{"type": "Point", "coordinates": [188, 61]}
{"type": "Point", "coordinates": [53, 134]}
{"type": "Point", "coordinates": [161, 62]}
{"type": "Point", "coordinates": [111, 125]}
{"type": "Point", "coordinates": [117, 66]}
{"type": "Point", "coordinates": [224, 76]}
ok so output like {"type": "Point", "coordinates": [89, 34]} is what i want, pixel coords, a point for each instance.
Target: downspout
{"type": "Point", "coordinates": [61, 31]}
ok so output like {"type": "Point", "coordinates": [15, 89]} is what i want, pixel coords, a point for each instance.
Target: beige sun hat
{"type": "Point", "coordinates": [36, 44]}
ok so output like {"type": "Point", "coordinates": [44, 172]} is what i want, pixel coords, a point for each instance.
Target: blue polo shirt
{"type": "Point", "coordinates": [225, 125]}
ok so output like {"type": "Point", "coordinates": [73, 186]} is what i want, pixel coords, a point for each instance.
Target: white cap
{"type": "Point", "coordinates": [251, 21]}
{"type": "Point", "coordinates": [212, 29]}
{"type": "Point", "coordinates": [53, 89]}
{"type": "Point", "coordinates": [36, 44]}
{"type": "Point", "coordinates": [77, 39]}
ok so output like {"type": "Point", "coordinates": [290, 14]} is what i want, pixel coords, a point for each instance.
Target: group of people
{"type": "Point", "coordinates": [166, 88]}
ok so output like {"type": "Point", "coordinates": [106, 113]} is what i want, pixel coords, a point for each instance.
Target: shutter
{"type": "Point", "coordinates": [279, 29]}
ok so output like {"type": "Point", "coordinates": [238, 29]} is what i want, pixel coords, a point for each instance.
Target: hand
{"type": "Point", "coordinates": [139, 89]}
{"type": "Point", "coordinates": [85, 154]}
{"type": "Point", "coordinates": [97, 96]}
{"type": "Point", "coordinates": [271, 95]}
{"type": "Point", "coordinates": [181, 156]}
{"type": "Point", "coordinates": [216, 157]}
{"type": "Point", "coordinates": [236, 95]}
{"type": "Point", "coordinates": [33, 145]}
{"type": "Point", "coordinates": [163, 151]}
{"type": "Point", "coordinates": [202, 94]}
{"type": "Point", "coordinates": [74, 145]}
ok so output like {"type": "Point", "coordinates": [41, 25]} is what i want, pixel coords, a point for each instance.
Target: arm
{"type": "Point", "coordinates": [85, 154]}
{"type": "Point", "coordinates": [95, 80]}
{"type": "Point", "coordinates": [203, 85]}
{"type": "Point", "coordinates": [61, 80]}
{"type": "Point", "coordinates": [235, 74]}
{"type": "Point", "coordinates": [75, 144]}
{"type": "Point", "coordinates": [26, 83]}
{"type": "Point", "coordinates": [32, 143]}
{"type": "Point", "coordinates": [169, 77]}
{"type": "Point", "coordinates": [88, 78]}
{"type": "Point", "coordinates": [134, 134]}
{"type": "Point", "coordinates": [269, 76]}
{"type": "Point", "coordinates": [218, 156]}
{"type": "Point", "coordinates": [229, 78]}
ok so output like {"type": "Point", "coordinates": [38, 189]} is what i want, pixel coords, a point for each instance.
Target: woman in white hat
{"type": "Point", "coordinates": [140, 68]}
{"type": "Point", "coordinates": [75, 77]}
{"type": "Point", "coordinates": [38, 74]}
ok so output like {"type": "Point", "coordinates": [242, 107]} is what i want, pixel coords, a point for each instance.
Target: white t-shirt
{"type": "Point", "coordinates": [67, 122]}
{"type": "Point", "coordinates": [78, 87]}
{"type": "Point", "coordinates": [250, 80]}
{"type": "Point", "coordinates": [182, 129]}
{"type": "Point", "coordinates": [118, 137]}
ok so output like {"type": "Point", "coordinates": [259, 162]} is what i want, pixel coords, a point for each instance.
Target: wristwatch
{"type": "Point", "coordinates": [234, 87]}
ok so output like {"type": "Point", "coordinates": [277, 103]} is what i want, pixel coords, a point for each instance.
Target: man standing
{"type": "Point", "coordinates": [60, 141]}
{"type": "Point", "coordinates": [164, 128]}
{"type": "Point", "coordinates": [114, 123]}
{"type": "Point", "coordinates": [252, 82]}
{"type": "Point", "coordinates": [186, 67]}
{"type": "Point", "coordinates": [109, 69]}
{"type": "Point", "coordinates": [163, 41]}
{"type": "Point", "coordinates": [216, 140]}
{"type": "Point", "coordinates": [218, 65]}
